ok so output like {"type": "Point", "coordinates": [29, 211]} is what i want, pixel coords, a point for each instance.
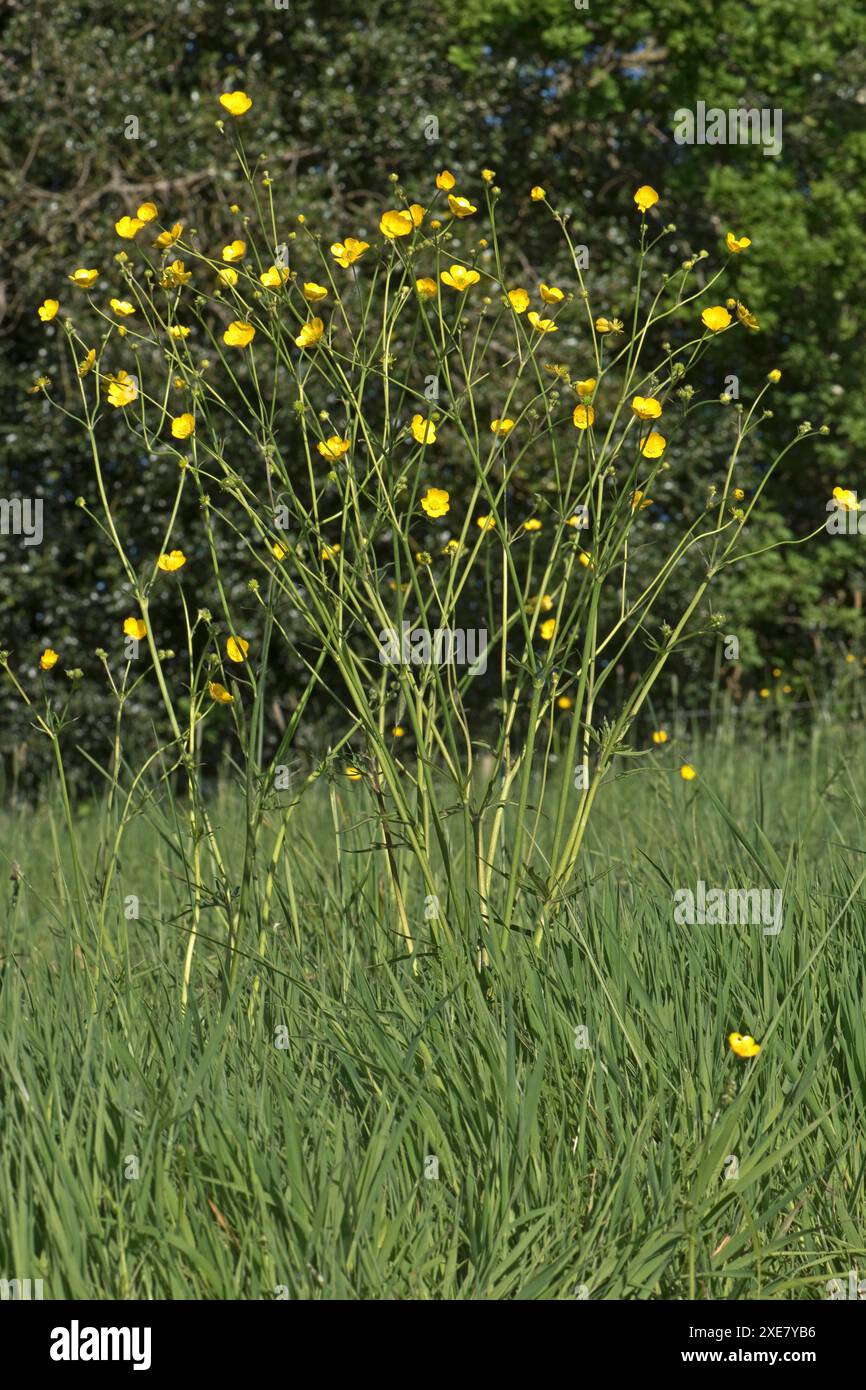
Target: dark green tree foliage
{"type": "Point", "coordinates": [580, 100]}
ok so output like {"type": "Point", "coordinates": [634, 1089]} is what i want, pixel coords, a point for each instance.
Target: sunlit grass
{"type": "Point", "coordinates": [562, 1171]}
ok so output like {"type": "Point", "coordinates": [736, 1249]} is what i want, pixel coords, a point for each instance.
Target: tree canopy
{"type": "Point", "coordinates": [108, 102]}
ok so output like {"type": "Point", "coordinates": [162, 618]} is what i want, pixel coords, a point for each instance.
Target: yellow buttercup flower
{"type": "Point", "coordinates": [48, 659]}
{"type": "Point", "coordinates": [646, 407]}
{"type": "Point", "coordinates": [330, 552]}
{"type": "Point", "coordinates": [235, 251]}
{"type": "Point", "coordinates": [639, 500]}
{"type": "Point", "coordinates": [715, 318]}
{"type": "Point", "coordinates": [182, 426]}
{"type": "Point", "coordinates": [541, 325]}
{"type": "Point", "coordinates": [542, 601]}
{"type": "Point", "coordinates": [488, 175]}
{"type": "Point", "coordinates": [166, 239]}
{"type": "Point", "coordinates": [460, 207]}
{"type": "Point", "coordinates": [533, 524]}
{"type": "Point", "coordinates": [135, 627]}
{"type": "Point", "coordinates": [747, 319]}
{"type": "Point", "coordinates": [314, 293]}
{"type": "Point", "coordinates": [564, 702]}
{"type": "Point", "coordinates": [398, 731]}
{"type": "Point", "coordinates": [84, 278]}
{"type": "Point", "coordinates": [236, 103]}
{"type": "Point", "coordinates": [346, 252]}
{"type": "Point", "coordinates": [278, 551]}
{"type": "Point", "coordinates": [219, 693]}
{"type": "Point", "coordinates": [583, 416]}
{"type": "Point", "coordinates": [147, 212]}
{"type": "Point", "coordinates": [774, 376]}
{"type": "Point", "coordinates": [353, 774]}
{"type": "Point", "coordinates": [486, 523]}
{"type": "Point", "coordinates": [586, 388]}
{"type": "Point", "coordinates": [646, 197]}
{"type": "Point", "coordinates": [459, 278]}
{"type": "Point", "coordinates": [227, 276]}
{"type": "Point", "coordinates": [502, 426]}
{"type": "Point", "coordinates": [178, 331]}
{"type": "Point", "coordinates": [764, 694]}
{"type": "Point", "coordinates": [559, 370]}
{"type": "Point", "coordinates": [276, 276]}
{"type": "Point", "coordinates": [603, 325]}
{"type": "Point", "coordinates": [846, 499]}
{"type": "Point", "coordinates": [436, 502]}
{"type": "Point", "coordinates": [445, 180]}
{"type": "Point", "coordinates": [237, 649]}
{"type": "Point", "coordinates": [48, 309]}
{"type": "Point", "coordinates": [687, 772]}
{"type": "Point", "coordinates": [736, 244]}
{"type": "Point", "coordinates": [654, 445]}
{"type": "Point", "coordinates": [537, 194]}
{"type": "Point", "coordinates": [128, 226]}
{"type": "Point", "coordinates": [401, 222]}
{"type": "Point", "coordinates": [743, 1045]}
{"type": "Point", "coordinates": [426, 287]}
{"type": "Point", "coordinates": [122, 389]}
{"type": "Point", "coordinates": [310, 333]}
{"type": "Point", "coordinates": [86, 363]}
{"type": "Point", "coordinates": [174, 560]}
{"type": "Point", "coordinates": [239, 334]}
{"type": "Point", "coordinates": [519, 300]}
{"type": "Point", "coordinates": [659, 736]}
{"type": "Point", "coordinates": [121, 307]}
{"type": "Point", "coordinates": [334, 447]}
{"type": "Point", "coordinates": [550, 294]}
{"type": "Point", "coordinates": [423, 431]}
{"type": "Point", "coordinates": [174, 275]}
{"type": "Point", "coordinates": [547, 629]}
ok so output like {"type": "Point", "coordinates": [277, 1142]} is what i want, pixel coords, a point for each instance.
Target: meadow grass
{"type": "Point", "coordinates": [412, 1016]}
{"type": "Point", "coordinates": [282, 1135]}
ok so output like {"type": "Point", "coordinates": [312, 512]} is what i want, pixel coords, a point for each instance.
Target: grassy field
{"type": "Point", "coordinates": [333, 1124]}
